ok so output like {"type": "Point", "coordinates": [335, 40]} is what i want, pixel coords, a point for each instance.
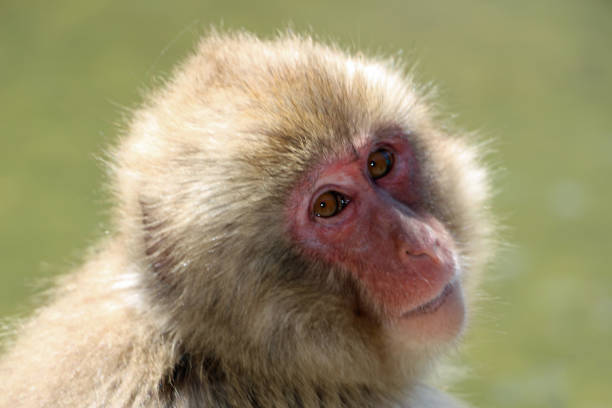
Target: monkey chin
{"type": "Point", "coordinates": [433, 324]}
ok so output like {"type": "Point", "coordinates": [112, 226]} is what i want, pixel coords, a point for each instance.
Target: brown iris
{"type": "Point", "coordinates": [380, 163]}
{"type": "Point", "coordinates": [329, 204]}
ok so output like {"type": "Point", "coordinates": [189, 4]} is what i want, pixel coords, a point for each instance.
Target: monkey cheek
{"type": "Point", "coordinates": [432, 327]}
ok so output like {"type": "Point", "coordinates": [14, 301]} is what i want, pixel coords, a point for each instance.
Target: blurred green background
{"type": "Point", "coordinates": [534, 75]}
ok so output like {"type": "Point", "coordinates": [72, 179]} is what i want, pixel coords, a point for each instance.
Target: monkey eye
{"type": "Point", "coordinates": [329, 203]}
{"type": "Point", "coordinates": [380, 163]}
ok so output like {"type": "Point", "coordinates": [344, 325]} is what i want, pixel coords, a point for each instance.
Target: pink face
{"type": "Point", "coordinates": [364, 212]}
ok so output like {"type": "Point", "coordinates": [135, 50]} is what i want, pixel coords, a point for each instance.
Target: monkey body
{"type": "Point", "coordinates": [292, 229]}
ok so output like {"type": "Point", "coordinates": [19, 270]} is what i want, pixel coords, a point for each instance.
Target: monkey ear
{"type": "Point", "coordinates": [157, 248]}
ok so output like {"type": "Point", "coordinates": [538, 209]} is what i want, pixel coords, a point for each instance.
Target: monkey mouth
{"type": "Point", "coordinates": [432, 305]}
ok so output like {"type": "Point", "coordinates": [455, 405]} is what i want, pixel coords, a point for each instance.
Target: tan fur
{"type": "Point", "coordinates": [198, 298]}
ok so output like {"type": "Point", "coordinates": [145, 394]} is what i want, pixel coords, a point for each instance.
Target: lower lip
{"type": "Point", "coordinates": [434, 304]}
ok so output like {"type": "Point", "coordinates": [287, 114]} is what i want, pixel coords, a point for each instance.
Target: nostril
{"type": "Point", "coordinates": [424, 254]}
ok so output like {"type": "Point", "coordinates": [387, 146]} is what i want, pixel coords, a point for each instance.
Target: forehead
{"type": "Point", "coordinates": [331, 101]}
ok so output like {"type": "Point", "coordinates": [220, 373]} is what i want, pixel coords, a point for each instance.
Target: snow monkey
{"type": "Point", "coordinates": [293, 228]}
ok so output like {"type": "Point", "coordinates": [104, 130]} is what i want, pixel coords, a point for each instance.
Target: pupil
{"type": "Point", "coordinates": [322, 204]}
{"type": "Point", "coordinates": [373, 163]}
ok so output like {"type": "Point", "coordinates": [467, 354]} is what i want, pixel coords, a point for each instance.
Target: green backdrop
{"type": "Point", "coordinates": [535, 76]}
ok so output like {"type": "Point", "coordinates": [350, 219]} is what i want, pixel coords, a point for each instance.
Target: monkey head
{"type": "Point", "coordinates": [294, 205]}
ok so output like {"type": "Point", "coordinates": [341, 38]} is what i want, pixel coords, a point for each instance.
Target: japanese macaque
{"type": "Point", "coordinates": [293, 228]}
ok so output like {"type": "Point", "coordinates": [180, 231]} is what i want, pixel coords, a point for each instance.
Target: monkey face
{"type": "Point", "coordinates": [365, 212]}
